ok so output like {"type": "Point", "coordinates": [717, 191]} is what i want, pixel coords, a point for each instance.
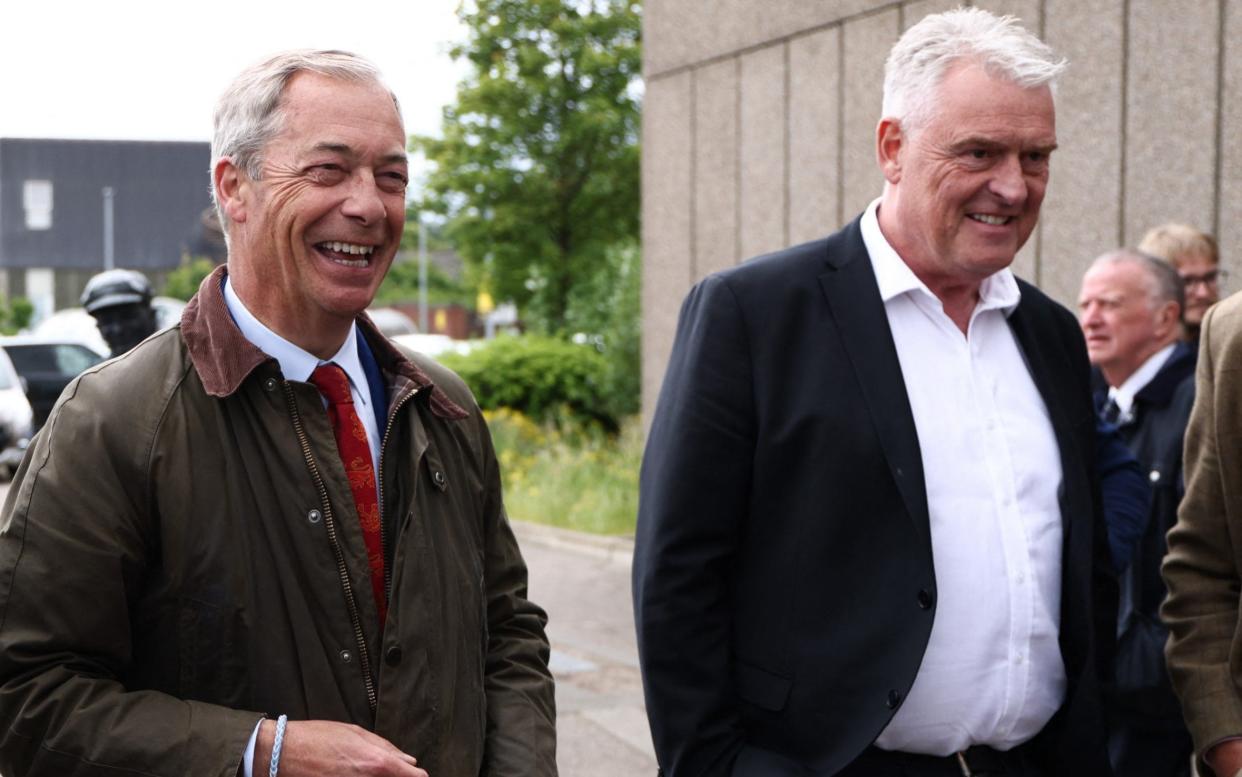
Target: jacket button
{"type": "Point", "coordinates": [314, 516]}
{"type": "Point", "coordinates": [392, 656]}
{"type": "Point", "coordinates": [925, 599]}
{"type": "Point", "coordinates": [271, 384]}
{"type": "Point", "coordinates": [439, 478]}
{"type": "Point", "coordinates": [346, 656]}
{"type": "Point", "coordinates": [894, 698]}
{"type": "Point", "coordinates": [901, 472]}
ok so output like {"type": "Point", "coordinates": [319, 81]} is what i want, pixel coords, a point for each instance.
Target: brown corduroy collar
{"type": "Point", "coordinates": [223, 357]}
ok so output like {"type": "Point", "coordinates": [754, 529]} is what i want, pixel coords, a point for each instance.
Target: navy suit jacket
{"type": "Point", "coordinates": [783, 583]}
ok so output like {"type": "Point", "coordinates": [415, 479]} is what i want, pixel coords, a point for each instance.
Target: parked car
{"type": "Point", "coordinates": [16, 418]}
{"type": "Point", "coordinates": [391, 322]}
{"type": "Point", "coordinates": [433, 345]}
{"type": "Point", "coordinates": [46, 366]}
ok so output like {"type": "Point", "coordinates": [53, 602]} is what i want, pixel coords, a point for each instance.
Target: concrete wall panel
{"type": "Point", "coordinates": [1171, 116]}
{"type": "Point", "coordinates": [1229, 220]}
{"type": "Point", "coordinates": [814, 135]}
{"type": "Point", "coordinates": [1082, 210]}
{"type": "Point", "coordinates": [912, 12]}
{"type": "Point", "coordinates": [667, 239]}
{"type": "Point", "coordinates": [1025, 10]}
{"type": "Point", "coordinates": [678, 33]}
{"type": "Point", "coordinates": [764, 147]}
{"type": "Point", "coordinates": [715, 167]}
{"type": "Point", "coordinates": [866, 42]}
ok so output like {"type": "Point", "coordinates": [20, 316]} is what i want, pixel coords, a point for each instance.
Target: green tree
{"type": "Point", "coordinates": [183, 282]}
{"type": "Point", "coordinates": [401, 285]}
{"type": "Point", "coordinates": [537, 170]}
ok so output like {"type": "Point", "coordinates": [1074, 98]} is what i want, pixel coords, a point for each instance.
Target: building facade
{"type": "Point", "coordinates": [759, 132]}
{"type": "Point", "coordinates": [65, 205]}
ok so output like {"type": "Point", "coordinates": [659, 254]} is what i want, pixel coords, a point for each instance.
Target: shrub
{"type": "Point", "coordinates": [584, 480]}
{"type": "Point", "coordinates": [183, 282]}
{"type": "Point", "coordinates": [541, 377]}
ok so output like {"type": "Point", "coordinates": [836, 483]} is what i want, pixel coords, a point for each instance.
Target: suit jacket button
{"type": "Point", "coordinates": [925, 599]}
{"type": "Point", "coordinates": [392, 656]}
{"type": "Point", "coordinates": [894, 698]}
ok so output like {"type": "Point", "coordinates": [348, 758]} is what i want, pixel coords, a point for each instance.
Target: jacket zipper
{"type": "Point", "coordinates": [379, 479]}
{"type": "Point", "coordinates": [329, 523]}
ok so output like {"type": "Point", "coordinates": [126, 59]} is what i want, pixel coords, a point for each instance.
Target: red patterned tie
{"type": "Point", "coordinates": [355, 452]}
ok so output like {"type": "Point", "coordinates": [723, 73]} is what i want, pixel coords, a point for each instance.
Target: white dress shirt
{"type": "Point", "coordinates": [1124, 394]}
{"type": "Point", "coordinates": [298, 364]}
{"type": "Point", "coordinates": [992, 673]}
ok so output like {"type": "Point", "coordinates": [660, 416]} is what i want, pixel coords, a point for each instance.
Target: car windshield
{"type": "Point", "coordinates": [61, 358]}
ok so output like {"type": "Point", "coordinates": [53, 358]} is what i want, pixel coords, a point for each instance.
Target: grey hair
{"type": "Point", "coordinates": [250, 113]}
{"type": "Point", "coordinates": [925, 53]}
{"type": "Point", "coordinates": [1164, 284]}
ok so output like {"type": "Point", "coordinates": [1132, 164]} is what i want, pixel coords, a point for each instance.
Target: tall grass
{"type": "Point", "coordinates": [566, 475]}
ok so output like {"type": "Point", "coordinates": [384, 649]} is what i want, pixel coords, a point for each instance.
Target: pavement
{"type": "Point", "coordinates": [583, 582]}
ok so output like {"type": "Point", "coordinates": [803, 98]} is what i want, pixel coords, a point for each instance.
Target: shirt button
{"type": "Point", "coordinates": [392, 656]}
{"type": "Point", "coordinates": [894, 699]}
{"type": "Point", "coordinates": [347, 656]}
{"type": "Point", "coordinates": [925, 599]}
{"type": "Point", "coordinates": [1018, 658]}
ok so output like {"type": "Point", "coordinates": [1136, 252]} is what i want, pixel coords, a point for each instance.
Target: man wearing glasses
{"type": "Point", "coordinates": [1195, 257]}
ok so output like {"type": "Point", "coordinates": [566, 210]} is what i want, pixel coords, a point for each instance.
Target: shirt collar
{"type": "Point", "coordinates": [998, 291]}
{"type": "Point", "coordinates": [1124, 394]}
{"type": "Point", "coordinates": [296, 363]}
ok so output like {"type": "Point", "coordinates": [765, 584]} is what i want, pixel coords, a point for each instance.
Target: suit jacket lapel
{"type": "Point", "coordinates": [862, 325]}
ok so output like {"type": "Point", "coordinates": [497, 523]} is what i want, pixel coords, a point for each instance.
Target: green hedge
{"type": "Point", "coordinates": [541, 377]}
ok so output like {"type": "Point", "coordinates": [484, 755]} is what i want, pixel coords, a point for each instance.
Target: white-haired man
{"type": "Point", "coordinates": [1130, 307]}
{"type": "Point", "coordinates": [266, 541]}
{"type": "Point", "coordinates": [868, 539]}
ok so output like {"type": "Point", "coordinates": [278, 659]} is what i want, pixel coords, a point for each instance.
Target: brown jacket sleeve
{"type": "Point", "coordinates": [1201, 568]}
{"type": "Point", "coordinates": [75, 539]}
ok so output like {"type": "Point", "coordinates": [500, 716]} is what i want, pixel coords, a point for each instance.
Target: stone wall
{"type": "Point", "coordinates": [759, 119]}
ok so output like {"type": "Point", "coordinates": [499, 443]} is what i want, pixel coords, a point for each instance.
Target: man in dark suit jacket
{"type": "Point", "coordinates": [869, 539]}
{"type": "Point", "coordinates": [1130, 308]}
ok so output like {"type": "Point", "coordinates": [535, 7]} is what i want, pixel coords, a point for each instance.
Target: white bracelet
{"type": "Point", "coordinates": [276, 744]}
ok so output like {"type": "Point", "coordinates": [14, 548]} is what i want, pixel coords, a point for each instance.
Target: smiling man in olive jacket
{"type": "Point", "coordinates": [265, 539]}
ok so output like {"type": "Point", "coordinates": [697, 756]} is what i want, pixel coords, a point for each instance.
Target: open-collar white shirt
{"type": "Point", "coordinates": [1124, 394]}
{"type": "Point", "coordinates": [298, 364]}
{"type": "Point", "coordinates": [992, 673]}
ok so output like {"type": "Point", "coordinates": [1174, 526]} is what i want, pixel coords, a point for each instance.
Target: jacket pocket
{"type": "Point", "coordinates": [761, 688]}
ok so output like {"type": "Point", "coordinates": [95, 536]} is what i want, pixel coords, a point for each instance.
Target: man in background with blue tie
{"type": "Point", "coordinates": [1130, 309]}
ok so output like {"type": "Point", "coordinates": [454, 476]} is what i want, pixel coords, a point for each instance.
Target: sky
{"type": "Point", "coordinates": [146, 70]}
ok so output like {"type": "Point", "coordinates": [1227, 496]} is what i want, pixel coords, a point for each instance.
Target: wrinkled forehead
{"type": "Point", "coordinates": [328, 110]}
{"type": "Point", "coordinates": [1118, 281]}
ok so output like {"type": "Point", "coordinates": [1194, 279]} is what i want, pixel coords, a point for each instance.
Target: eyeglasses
{"type": "Point", "coordinates": [1209, 279]}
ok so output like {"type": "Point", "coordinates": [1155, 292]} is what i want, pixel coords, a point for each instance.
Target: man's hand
{"type": "Point", "coordinates": [1225, 758]}
{"type": "Point", "coordinates": [317, 747]}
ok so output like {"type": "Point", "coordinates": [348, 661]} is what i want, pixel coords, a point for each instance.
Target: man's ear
{"type": "Point", "coordinates": [232, 189]}
{"type": "Point", "coordinates": [889, 140]}
{"type": "Point", "coordinates": [1168, 317]}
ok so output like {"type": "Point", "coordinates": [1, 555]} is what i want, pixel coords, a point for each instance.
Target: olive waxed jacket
{"type": "Point", "coordinates": [180, 555]}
